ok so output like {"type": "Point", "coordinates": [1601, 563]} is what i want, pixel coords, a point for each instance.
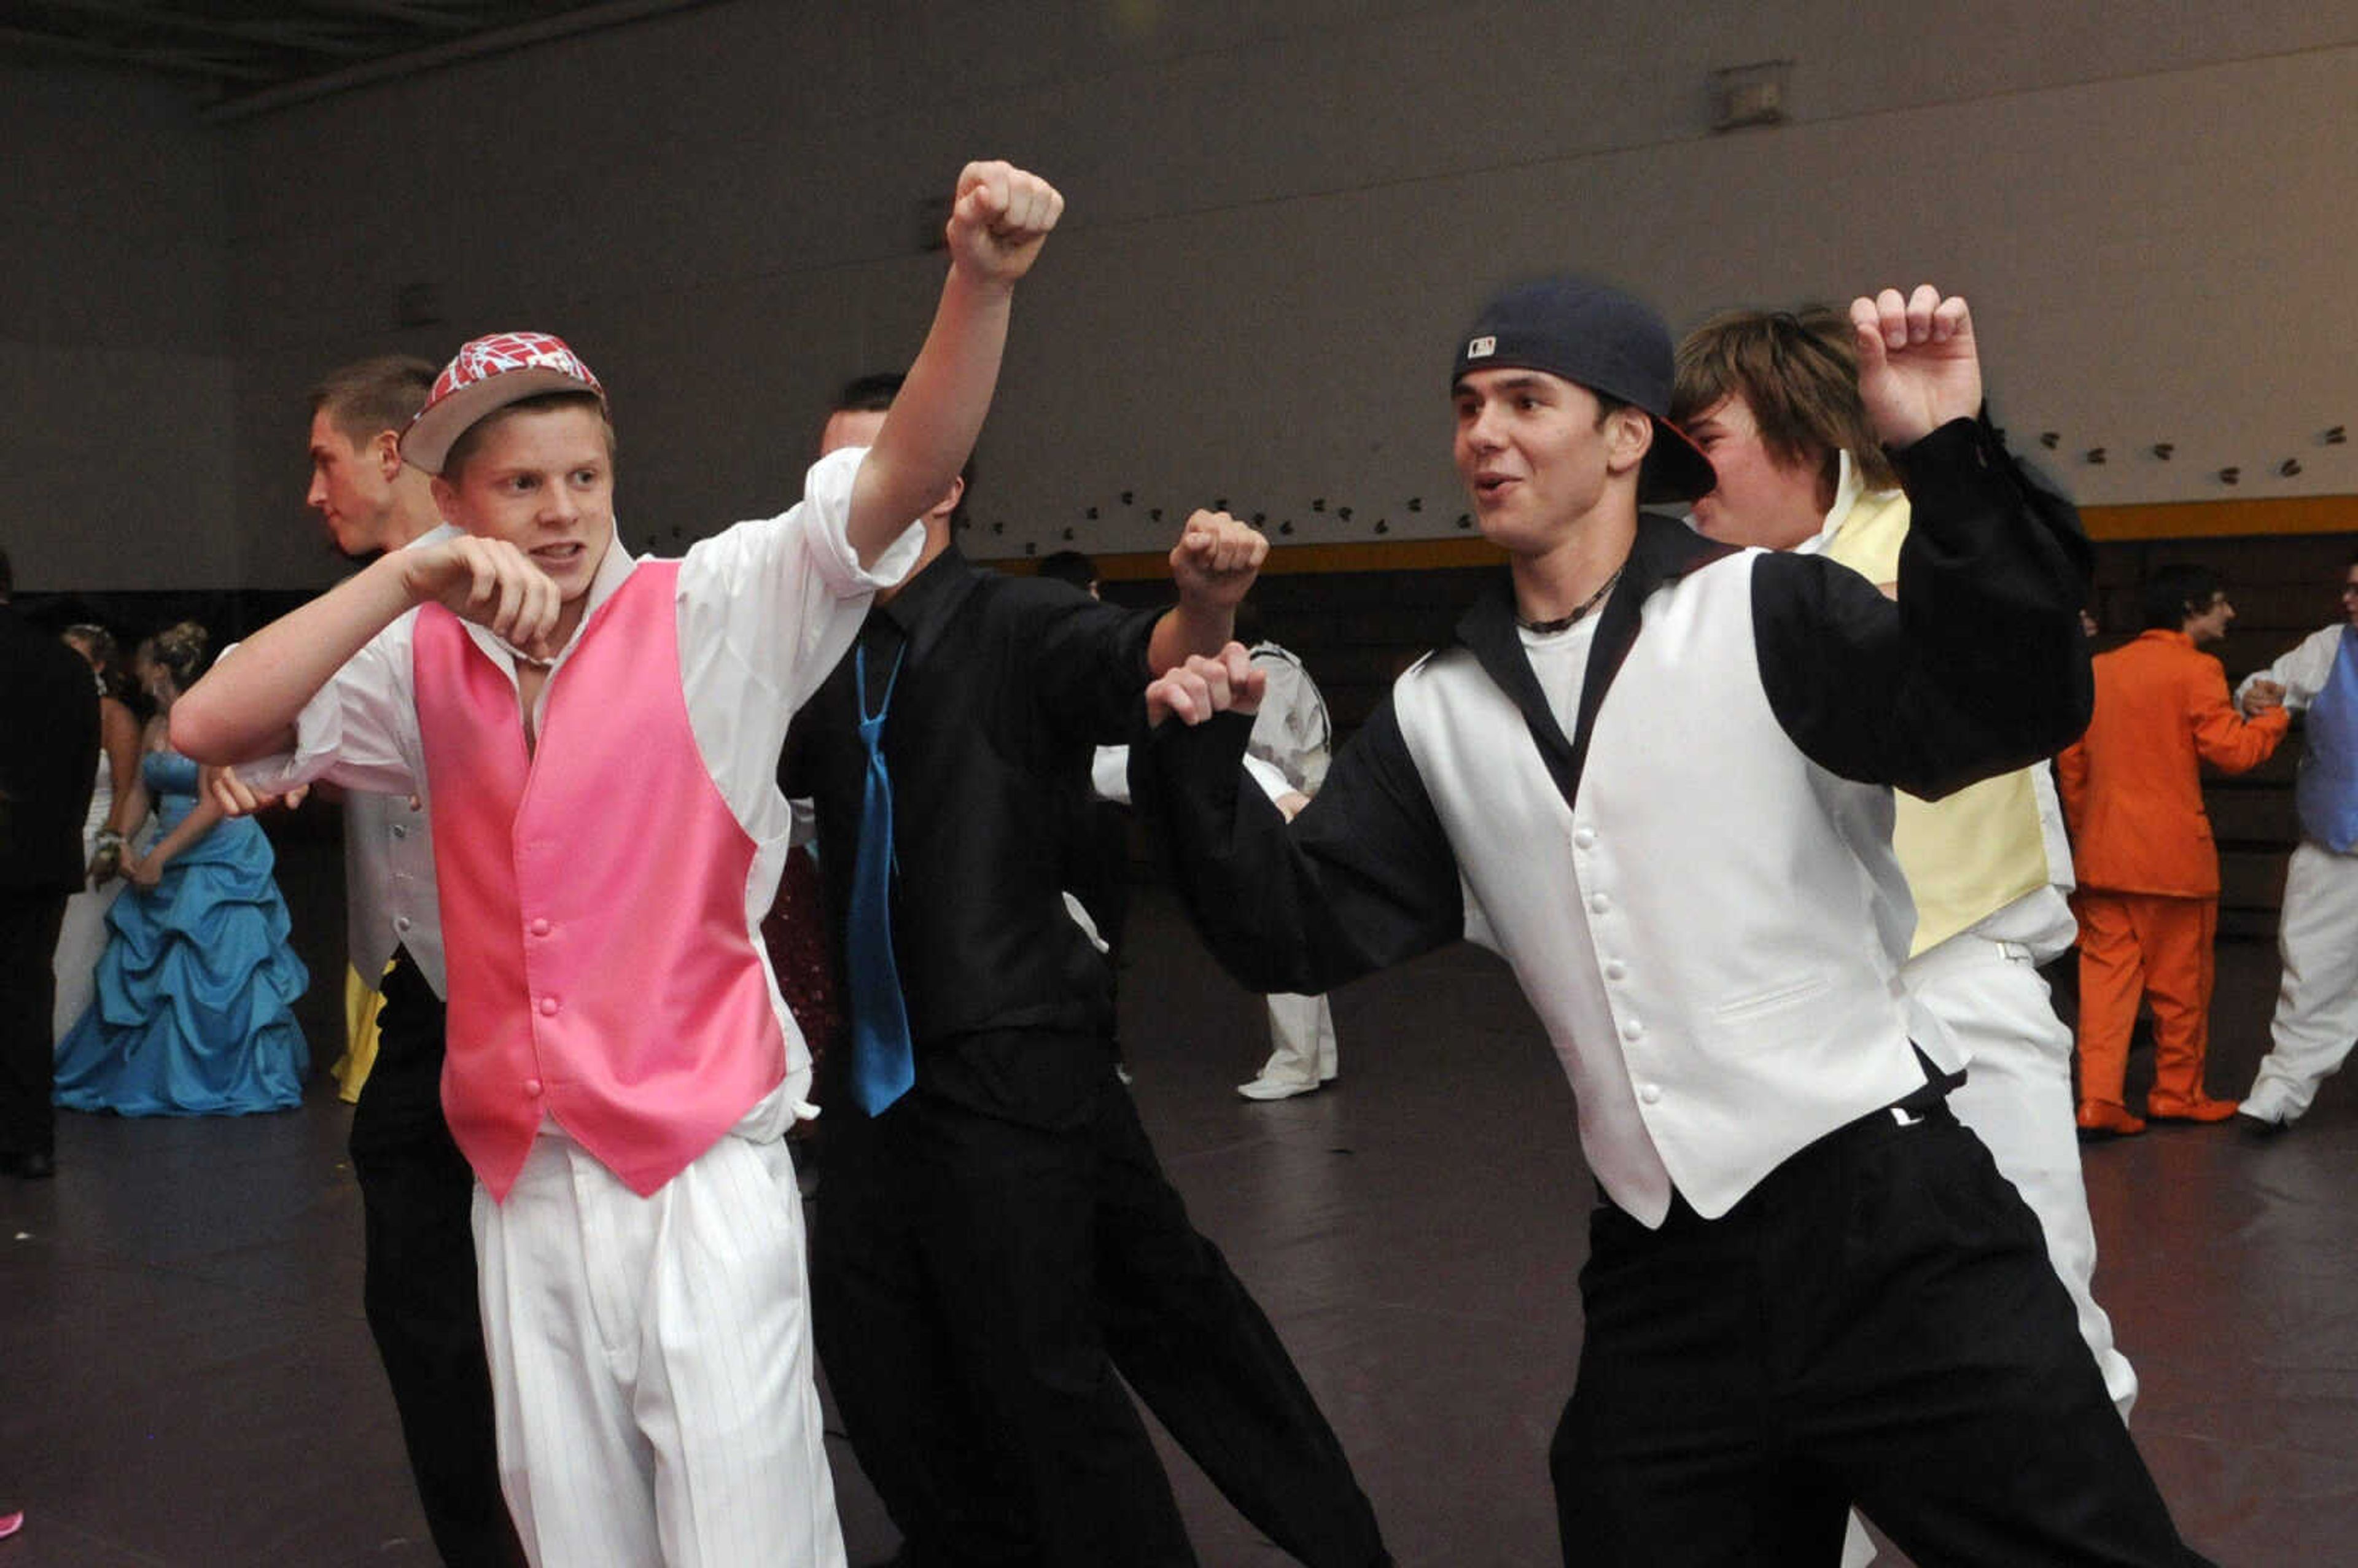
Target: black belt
{"type": "Point", "coordinates": [1909, 1108]}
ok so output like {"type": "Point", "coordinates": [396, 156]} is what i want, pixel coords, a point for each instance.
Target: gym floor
{"type": "Point", "coordinates": [185, 1379]}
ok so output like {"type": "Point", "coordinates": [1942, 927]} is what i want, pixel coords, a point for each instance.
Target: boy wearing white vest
{"type": "Point", "coordinates": [1772, 399]}
{"type": "Point", "coordinates": [1654, 774]}
{"type": "Point", "coordinates": [2317, 1004]}
{"type": "Point", "coordinates": [595, 738]}
{"type": "Point", "coordinates": [416, 1190]}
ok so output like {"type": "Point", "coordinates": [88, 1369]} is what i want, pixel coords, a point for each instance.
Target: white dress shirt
{"type": "Point", "coordinates": [765, 611]}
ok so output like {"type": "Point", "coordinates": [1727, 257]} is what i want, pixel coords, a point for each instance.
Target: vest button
{"type": "Point", "coordinates": [401, 923]}
{"type": "Point", "coordinates": [1651, 1093]}
{"type": "Point", "coordinates": [1615, 969]}
{"type": "Point", "coordinates": [1632, 1029]}
{"type": "Point", "coordinates": [1599, 903]}
{"type": "Point", "coordinates": [1582, 837]}
{"type": "Point", "coordinates": [399, 831]}
{"type": "Point", "coordinates": [548, 1007]}
{"type": "Point", "coordinates": [540, 928]}
{"type": "Point", "coordinates": [532, 1087]}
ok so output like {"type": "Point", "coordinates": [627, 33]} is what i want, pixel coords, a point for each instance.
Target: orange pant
{"type": "Point", "coordinates": [2134, 944]}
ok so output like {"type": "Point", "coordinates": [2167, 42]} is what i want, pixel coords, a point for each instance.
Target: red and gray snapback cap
{"type": "Point", "coordinates": [486, 376]}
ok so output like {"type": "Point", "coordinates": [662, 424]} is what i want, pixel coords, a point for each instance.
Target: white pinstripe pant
{"type": "Point", "coordinates": [1302, 1040]}
{"type": "Point", "coordinates": [651, 1359]}
{"type": "Point", "coordinates": [2317, 1003]}
{"type": "Point", "coordinates": [2016, 1097]}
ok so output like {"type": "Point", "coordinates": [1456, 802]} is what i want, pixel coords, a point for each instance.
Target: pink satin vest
{"type": "Point", "coordinates": [602, 970]}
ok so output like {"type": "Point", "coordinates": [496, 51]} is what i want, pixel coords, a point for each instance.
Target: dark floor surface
{"type": "Point", "coordinates": [185, 1378]}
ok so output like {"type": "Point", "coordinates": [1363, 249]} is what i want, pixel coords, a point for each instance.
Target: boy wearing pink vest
{"type": "Point", "coordinates": [595, 737]}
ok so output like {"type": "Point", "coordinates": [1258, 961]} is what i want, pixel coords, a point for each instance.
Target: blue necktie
{"type": "Point", "coordinates": [883, 1062]}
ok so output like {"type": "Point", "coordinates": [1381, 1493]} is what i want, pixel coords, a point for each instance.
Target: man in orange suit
{"type": "Point", "coordinates": [2148, 898]}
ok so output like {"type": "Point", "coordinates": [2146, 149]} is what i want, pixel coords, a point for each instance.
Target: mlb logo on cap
{"type": "Point", "coordinates": [486, 376]}
{"type": "Point", "coordinates": [1605, 340]}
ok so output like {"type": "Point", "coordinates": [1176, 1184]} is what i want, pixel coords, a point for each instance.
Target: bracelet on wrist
{"type": "Point", "coordinates": [108, 838]}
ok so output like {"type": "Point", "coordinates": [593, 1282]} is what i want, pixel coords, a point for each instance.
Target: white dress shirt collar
{"type": "Point", "coordinates": [612, 571]}
{"type": "Point", "coordinates": [1848, 487]}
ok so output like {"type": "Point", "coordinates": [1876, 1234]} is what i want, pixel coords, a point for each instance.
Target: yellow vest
{"type": "Point", "coordinates": [1969, 855]}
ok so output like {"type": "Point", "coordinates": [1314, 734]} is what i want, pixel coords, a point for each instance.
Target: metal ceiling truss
{"type": "Point", "coordinates": [262, 54]}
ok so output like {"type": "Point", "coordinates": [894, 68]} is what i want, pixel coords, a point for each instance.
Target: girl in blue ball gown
{"type": "Point", "coordinates": [192, 1013]}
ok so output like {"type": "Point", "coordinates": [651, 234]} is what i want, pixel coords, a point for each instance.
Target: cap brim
{"type": "Point", "coordinates": [427, 441]}
{"type": "Point", "coordinates": [1675, 468]}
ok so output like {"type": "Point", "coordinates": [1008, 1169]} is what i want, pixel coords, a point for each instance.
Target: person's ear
{"type": "Point", "coordinates": [385, 448]}
{"type": "Point", "coordinates": [1628, 436]}
{"type": "Point", "coordinates": [950, 499]}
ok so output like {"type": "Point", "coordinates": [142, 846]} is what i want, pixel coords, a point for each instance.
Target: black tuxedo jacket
{"type": "Point", "coordinates": [48, 757]}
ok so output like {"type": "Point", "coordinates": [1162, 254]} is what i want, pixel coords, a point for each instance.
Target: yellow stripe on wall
{"type": "Point", "coordinates": [2224, 519]}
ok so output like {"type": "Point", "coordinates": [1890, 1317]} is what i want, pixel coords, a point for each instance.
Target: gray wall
{"type": "Point", "coordinates": [117, 441]}
{"type": "Point", "coordinates": [1280, 216]}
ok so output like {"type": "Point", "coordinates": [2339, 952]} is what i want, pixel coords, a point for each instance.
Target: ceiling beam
{"type": "Point", "coordinates": [318, 37]}
{"type": "Point", "coordinates": [178, 61]}
{"type": "Point", "coordinates": [451, 19]}
{"type": "Point", "coordinates": [495, 40]}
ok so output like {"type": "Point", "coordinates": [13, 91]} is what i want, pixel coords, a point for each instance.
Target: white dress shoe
{"type": "Point", "coordinates": [2266, 1105]}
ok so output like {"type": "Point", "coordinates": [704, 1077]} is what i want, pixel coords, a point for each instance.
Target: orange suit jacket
{"type": "Point", "coordinates": [2132, 789]}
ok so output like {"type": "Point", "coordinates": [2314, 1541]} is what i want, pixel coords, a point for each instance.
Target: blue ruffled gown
{"type": "Point", "coordinates": [192, 1015]}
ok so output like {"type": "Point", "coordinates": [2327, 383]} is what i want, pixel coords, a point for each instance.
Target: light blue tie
{"type": "Point", "coordinates": [884, 1064]}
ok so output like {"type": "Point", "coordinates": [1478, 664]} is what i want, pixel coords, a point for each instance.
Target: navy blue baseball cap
{"type": "Point", "coordinates": [1605, 340]}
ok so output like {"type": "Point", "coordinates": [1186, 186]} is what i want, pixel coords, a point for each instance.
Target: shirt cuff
{"type": "Point", "coordinates": [826, 489]}
{"type": "Point", "coordinates": [1109, 773]}
{"type": "Point", "coordinates": [1962, 446]}
{"type": "Point", "coordinates": [318, 737]}
{"type": "Point", "coordinates": [1273, 782]}
{"type": "Point", "coordinates": [1200, 763]}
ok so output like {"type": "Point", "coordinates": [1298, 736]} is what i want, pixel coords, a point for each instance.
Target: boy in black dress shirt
{"type": "Point", "coordinates": [993, 1244]}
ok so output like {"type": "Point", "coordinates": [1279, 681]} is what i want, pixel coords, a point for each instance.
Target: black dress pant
{"type": "Point", "coordinates": [979, 1281]}
{"type": "Point", "coordinates": [1877, 1323]}
{"type": "Point", "coordinates": [417, 1193]}
{"type": "Point", "coordinates": [29, 921]}
{"type": "Point", "coordinates": [1194, 1344]}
